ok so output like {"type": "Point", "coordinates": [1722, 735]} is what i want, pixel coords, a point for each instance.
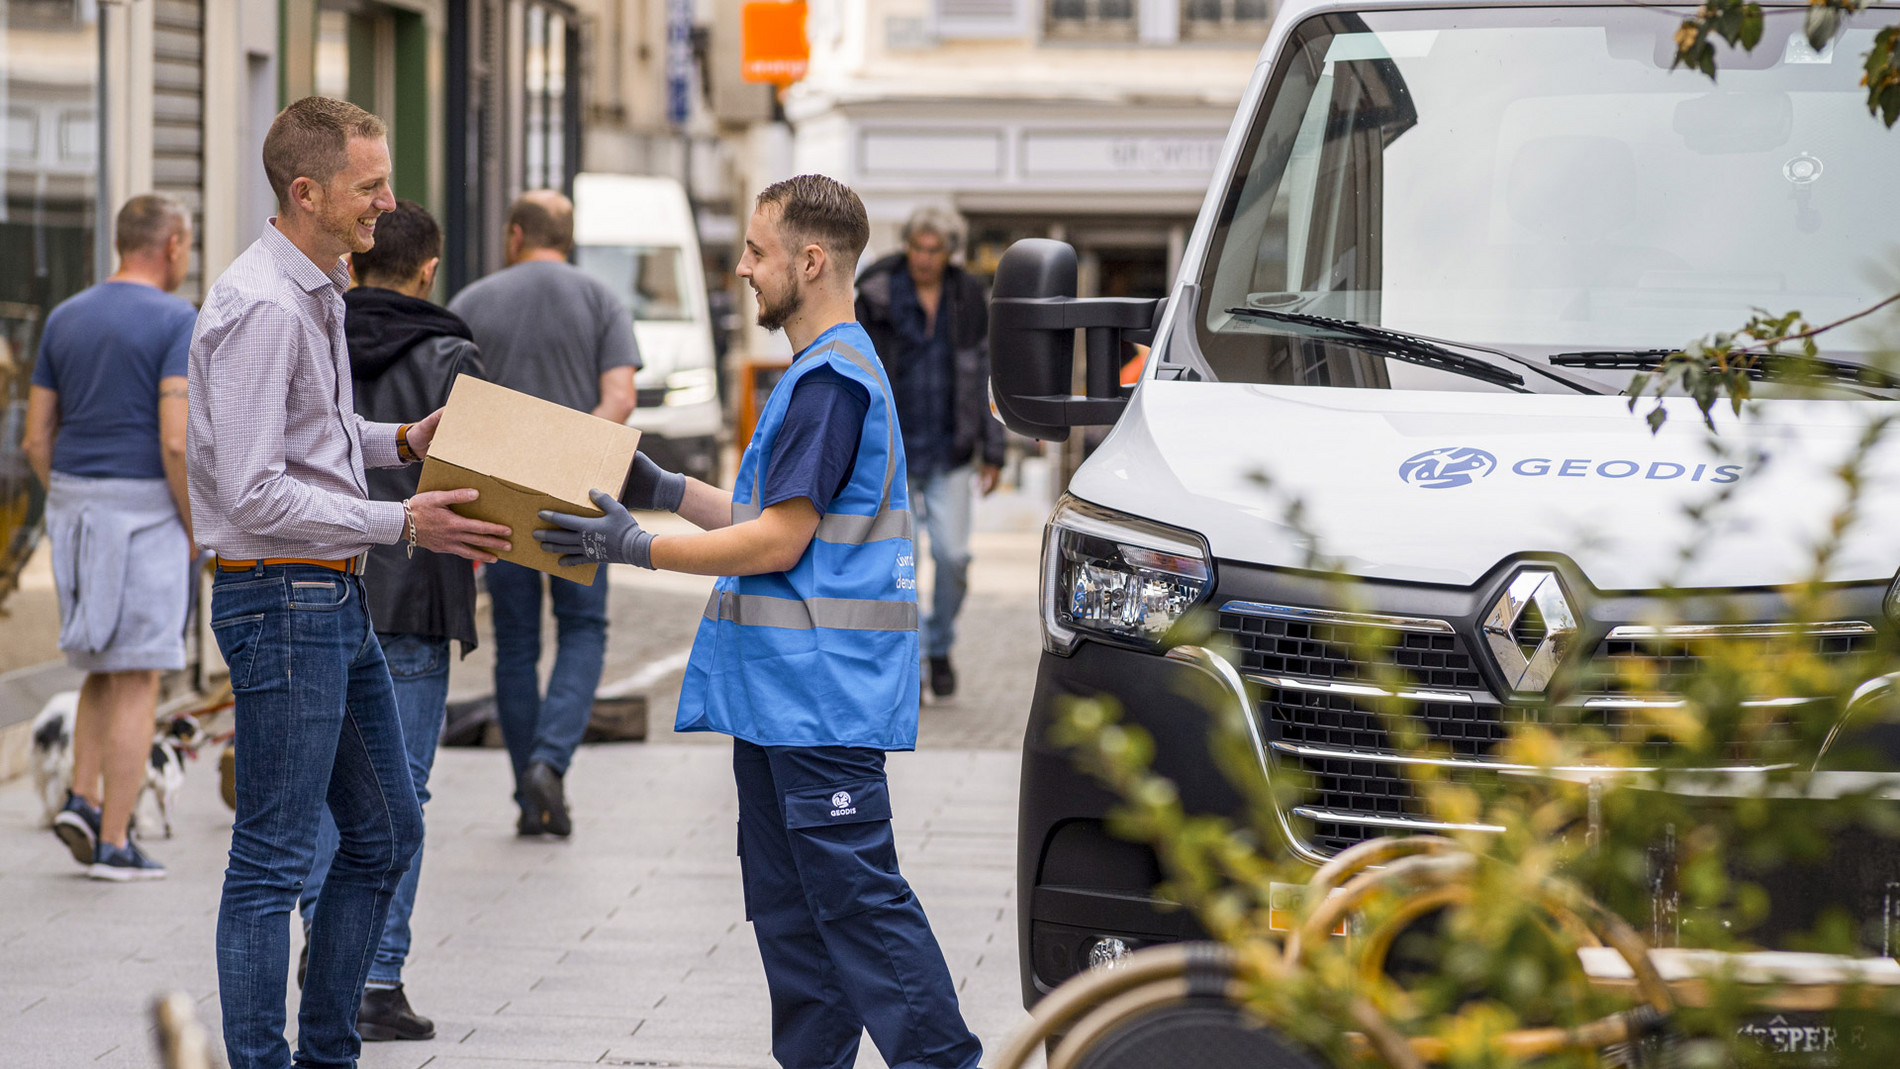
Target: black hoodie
{"type": "Point", "coordinates": [404, 356]}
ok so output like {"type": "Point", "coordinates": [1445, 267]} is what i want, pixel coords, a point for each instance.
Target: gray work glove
{"type": "Point", "coordinates": [615, 538]}
{"type": "Point", "coordinates": [650, 486]}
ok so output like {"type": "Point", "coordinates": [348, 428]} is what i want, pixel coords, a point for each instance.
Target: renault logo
{"type": "Point", "coordinates": [1531, 629]}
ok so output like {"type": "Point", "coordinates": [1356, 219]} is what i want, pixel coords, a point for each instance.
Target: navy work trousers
{"type": "Point", "coordinates": [846, 946]}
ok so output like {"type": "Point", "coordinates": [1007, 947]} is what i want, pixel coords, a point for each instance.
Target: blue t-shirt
{"type": "Point", "coordinates": [104, 350]}
{"type": "Point", "coordinates": [817, 444]}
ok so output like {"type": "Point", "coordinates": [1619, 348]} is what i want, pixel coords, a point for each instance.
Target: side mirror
{"type": "Point", "coordinates": [1034, 314]}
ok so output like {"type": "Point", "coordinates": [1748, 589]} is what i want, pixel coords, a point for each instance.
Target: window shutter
{"type": "Point", "coordinates": [980, 18]}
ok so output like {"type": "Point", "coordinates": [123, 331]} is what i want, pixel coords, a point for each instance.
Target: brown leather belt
{"type": "Point", "coordinates": [349, 566]}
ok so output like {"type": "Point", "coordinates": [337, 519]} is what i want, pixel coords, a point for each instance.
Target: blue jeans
{"type": "Point", "coordinates": [316, 725]}
{"type": "Point", "coordinates": [944, 502]}
{"type": "Point", "coordinates": [419, 667]}
{"type": "Point", "coordinates": [534, 728]}
{"type": "Point", "coordinates": [845, 944]}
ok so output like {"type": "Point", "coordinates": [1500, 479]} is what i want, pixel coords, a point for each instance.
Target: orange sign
{"type": "Point", "coordinates": [772, 44]}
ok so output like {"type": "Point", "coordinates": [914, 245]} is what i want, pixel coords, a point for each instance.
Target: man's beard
{"type": "Point", "coordinates": [344, 230]}
{"type": "Point", "coordinates": [774, 317]}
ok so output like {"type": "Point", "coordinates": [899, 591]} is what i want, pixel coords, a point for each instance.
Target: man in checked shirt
{"type": "Point", "coordinates": [275, 455]}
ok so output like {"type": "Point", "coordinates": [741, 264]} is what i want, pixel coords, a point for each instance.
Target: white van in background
{"type": "Point", "coordinates": [637, 235]}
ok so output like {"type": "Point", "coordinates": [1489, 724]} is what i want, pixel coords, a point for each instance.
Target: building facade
{"type": "Point", "coordinates": [105, 99]}
{"type": "Point", "coordinates": [1094, 121]}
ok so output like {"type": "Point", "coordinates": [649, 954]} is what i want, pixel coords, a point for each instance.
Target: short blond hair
{"type": "Point", "coordinates": [311, 139]}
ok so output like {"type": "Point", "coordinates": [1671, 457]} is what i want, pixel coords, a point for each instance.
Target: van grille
{"type": "Point", "coordinates": [1666, 666]}
{"type": "Point", "coordinates": [1348, 653]}
{"type": "Point", "coordinates": [1321, 720]}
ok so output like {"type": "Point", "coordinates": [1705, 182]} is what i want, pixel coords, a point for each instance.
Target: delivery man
{"type": "Point", "coordinates": [808, 654]}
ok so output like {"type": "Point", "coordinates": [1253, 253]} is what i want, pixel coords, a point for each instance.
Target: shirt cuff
{"type": "Point", "coordinates": [387, 522]}
{"type": "Point", "coordinates": [379, 445]}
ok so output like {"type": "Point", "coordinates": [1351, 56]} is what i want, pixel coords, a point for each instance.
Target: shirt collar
{"type": "Point", "coordinates": [299, 267]}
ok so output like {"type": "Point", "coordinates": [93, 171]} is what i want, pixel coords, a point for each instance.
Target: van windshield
{"type": "Point", "coordinates": [1539, 181]}
{"type": "Point", "coordinates": [649, 279]}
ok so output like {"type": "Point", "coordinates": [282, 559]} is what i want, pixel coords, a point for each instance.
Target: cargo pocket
{"type": "Point", "coordinates": [841, 839]}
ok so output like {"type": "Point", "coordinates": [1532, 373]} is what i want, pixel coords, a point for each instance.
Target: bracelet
{"type": "Point", "coordinates": [409, 522]}
{"type": "Point", "coordinates": [403, 452]}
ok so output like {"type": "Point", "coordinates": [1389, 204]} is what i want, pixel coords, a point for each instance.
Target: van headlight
{"type": "Point", "coordinates": [694, 386]}
{"type": "Point", "coordinates": [1109, 575]}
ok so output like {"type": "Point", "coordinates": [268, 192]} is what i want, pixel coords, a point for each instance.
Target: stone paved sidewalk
{"type": "Point", "coordinates": [625, 946]}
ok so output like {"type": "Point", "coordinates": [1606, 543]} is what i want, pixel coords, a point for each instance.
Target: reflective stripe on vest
{"type": "Point", "coordinates": [840, 614]}
{"type": "Point", "coordinates": [843, 528]}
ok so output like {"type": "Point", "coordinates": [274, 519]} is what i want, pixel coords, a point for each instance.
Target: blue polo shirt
{"type": "Point", "coordinates": [104, 350]}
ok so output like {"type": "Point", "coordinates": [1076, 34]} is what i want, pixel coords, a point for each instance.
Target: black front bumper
{"type": "Point", "coordinates": [1076, 882]}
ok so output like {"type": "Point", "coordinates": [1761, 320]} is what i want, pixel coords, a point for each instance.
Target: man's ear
{"type": "Point", "coordinates": [815, 259]}
{"type": "Point", "coordinates": [306, 192]}
{"type": "Point", "coordinates": [426, 278]}
{"type": "Point", "coordinates": [355, 277]}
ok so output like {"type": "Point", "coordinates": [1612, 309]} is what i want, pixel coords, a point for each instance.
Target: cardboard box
{"type": "Point", "coordinates": [524, 454]}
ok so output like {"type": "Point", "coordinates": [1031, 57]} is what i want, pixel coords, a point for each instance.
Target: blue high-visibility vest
{"type": "Point", "coordinates": [825, 654]}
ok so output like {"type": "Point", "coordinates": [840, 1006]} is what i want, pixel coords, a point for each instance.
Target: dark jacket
{"type": "Point", "coordinates": [977, 434]}
{"type": "Point", "coordinates": [404, 355]}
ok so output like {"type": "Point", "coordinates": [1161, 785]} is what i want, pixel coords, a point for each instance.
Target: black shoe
{"type": "Point", "coordinates": [385, 1015]}
{"type": "Point", "coordinates": [544, 802]}
{"type": "Point", "coordinates": [943, 678]}
{"type": "Point", "coordinates": [77, 825]}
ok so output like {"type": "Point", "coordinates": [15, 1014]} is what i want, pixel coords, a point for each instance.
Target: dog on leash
{"type": "Point", "coordinates": [175, 740]}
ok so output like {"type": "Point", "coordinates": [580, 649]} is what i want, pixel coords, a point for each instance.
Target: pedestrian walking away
{"type": "Point", "coordinates": [808, 653]}
{"type": "Point", "coordinates": [547, 328]}
{"type": "Point", "coordinates": [929, 322]}
{"type": "Point", "coordinates": [277, 458]}
{"type": "Point", "coordinates": [405, 354]}
{"type": "Point", "coordinates": [105, 433]}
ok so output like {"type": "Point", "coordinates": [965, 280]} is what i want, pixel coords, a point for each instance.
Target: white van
{"type": "Point", "coordinates": [1439, 240]}
{"type": "Point", "coordinates": [637, 234]}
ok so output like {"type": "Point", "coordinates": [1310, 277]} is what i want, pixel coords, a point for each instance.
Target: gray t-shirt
{"type": "Point", "coordinates": [548, 329]}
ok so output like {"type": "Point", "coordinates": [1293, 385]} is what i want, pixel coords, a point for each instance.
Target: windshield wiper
{"type": "Point", "coordinates": [1418, 349]}
{"type": "Point", "coordinates": [1844, 374]}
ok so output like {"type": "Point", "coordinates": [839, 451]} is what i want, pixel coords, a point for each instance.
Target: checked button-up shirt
{"type": "Point", "coordinates": [274, 447]}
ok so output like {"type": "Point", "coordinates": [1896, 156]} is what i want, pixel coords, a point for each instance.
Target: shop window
{"type": "Point", "coordinates": [375, 56]}
{"type": "Point", "coordinates": [978, 18]}
{"type": "Point", "coordinates": [356, 57]}
{"type": "Point", "coordinates": [544, 104]}
{"type": "Point", "coordinates": [1090, 20]}
{"type": "Point", "coordinates": [1238, 21]}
